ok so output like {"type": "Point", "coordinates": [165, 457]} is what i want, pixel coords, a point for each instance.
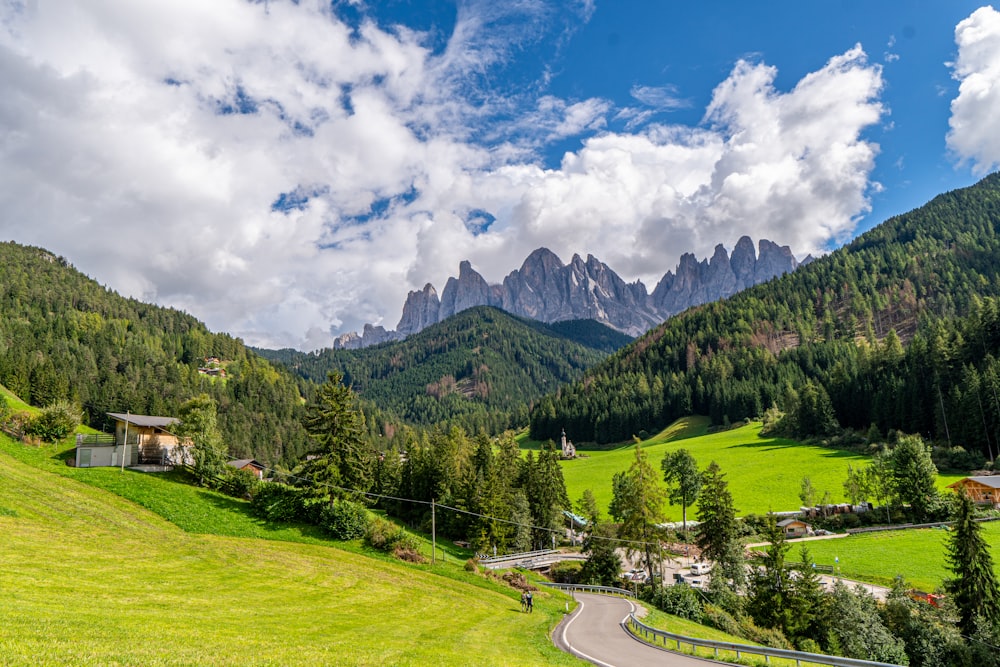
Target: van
{"type": "Point", "coordinates": [701, 568]}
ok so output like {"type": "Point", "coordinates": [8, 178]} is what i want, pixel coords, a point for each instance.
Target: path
{"type": "Point", "coordinates": [594, 632]}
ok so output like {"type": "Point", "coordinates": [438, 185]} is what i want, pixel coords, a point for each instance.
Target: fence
{"type": "Point", "coordinates": [662, 638]}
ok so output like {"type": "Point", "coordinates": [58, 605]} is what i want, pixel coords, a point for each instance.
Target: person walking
{"type": "Point", "coordinates": [524, 601]}
{"type": "Point", "coordinates": [530, 602]}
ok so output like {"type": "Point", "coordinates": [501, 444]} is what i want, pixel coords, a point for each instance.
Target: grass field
{"type": "Point", "coordinates": [764, 474]}
{"type": "Point", "coordinates": [90, 578]}
{"type": "Point", "coordinates": [918, 555]}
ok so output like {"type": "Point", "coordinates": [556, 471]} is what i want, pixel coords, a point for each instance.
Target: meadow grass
{"type": "Point", "coordinates": [764, 473]}
{"type": "Point", "coordinates": [87, 577]}
{"type": "Point", "coordinates": [916, 554]}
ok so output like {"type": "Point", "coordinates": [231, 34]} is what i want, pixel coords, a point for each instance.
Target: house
{"type": "Point", "coordinates": [984, 489]}
{"type": "Point", "coordinates": [254, 466]}
{"type": "Point", "coordinates": [794, 527]}
{"type": "Point", "coordinates": [137, 439]}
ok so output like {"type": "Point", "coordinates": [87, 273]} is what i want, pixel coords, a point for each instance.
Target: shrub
{"type": "Point", "coordinates": [679, 600]}
{"type": "Point", "coordinates": [54, 422]}
{"type": "Point", "coordinates": [240, 484]}
{"type": "Point", "coordinates": [277, 502]}
{"type": "Point", "coordinates": [386, 536]}
{"type": "Point", "coordinates": [344, 520]}
{"type": "Point", "coordinates": [472, 565]}
{"type": "Point", "coordinates": [720, 619]}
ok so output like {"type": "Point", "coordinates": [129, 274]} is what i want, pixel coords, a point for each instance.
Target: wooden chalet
{"type": "Point", "coordinates": [984, 490]}
{"type": "Point", "coordinates": [254, 466]}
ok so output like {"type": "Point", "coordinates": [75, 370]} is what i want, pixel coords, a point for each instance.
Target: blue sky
{"type": "Point", "coordinates": [288, 171]}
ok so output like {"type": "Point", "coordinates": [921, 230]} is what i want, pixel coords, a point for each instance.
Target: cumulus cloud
{"type": "Point", "coordinates": [285, 174]}
{"type": "Point", "coordinates": [974, 135]}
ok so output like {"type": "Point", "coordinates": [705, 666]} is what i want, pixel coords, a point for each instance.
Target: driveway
{"type": "Point", "coordinates": [594, 632]}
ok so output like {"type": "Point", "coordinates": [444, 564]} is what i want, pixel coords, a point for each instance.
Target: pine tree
{"type": "Point", "coordinates": [336, 427]}
{"type": "Point", "coordinates": [717, 535]}
{"type": "Point", "coordinates": [974, 587]}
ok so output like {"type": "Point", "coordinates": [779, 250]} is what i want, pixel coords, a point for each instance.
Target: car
{"type": "Point", "coordinates": [701, 568]}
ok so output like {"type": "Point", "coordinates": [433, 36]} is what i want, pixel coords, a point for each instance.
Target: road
{"type": "Point", "coordinates": [594, 632]}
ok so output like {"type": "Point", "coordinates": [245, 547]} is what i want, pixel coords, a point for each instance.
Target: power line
{"type": "Point", "coordinates": [370, 494]}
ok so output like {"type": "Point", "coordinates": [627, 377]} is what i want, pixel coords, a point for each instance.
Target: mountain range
{"type": "Point", "coordinates": [546, 289]}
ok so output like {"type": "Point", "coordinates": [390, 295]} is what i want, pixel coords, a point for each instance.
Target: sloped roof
{"type": "Point", "coordinates": [145, 420]}
{"type": "Point", "coordinates": [242, 463]}
{"type": "Point", "coordinates": [788, 522]}
{"type": "Point", "coordinates": [992, 481]}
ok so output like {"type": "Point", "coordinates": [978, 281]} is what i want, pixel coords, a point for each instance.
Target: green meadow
{"type": "Point", "coordinates": [91, 578]}
{"type": "Point", "coordinates": [917, 554]}
{"type": "Point", "coordinates": [764, 474]}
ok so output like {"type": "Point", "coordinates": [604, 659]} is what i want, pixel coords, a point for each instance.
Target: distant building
{"type": "Point", "coordinates": [794, 527]}
{"type": "Point", "coordinates": [568, 450]}
{"type": "Point", "coordinates": [254, 466]}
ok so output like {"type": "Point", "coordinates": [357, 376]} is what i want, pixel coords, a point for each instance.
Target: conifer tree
{"type": "Point", "coordinates": [717, 534]}
{"type": "Point", "coordinates": [637, 503]}
{"type": "Point", "coordinates": [336, 428]}
{"type": "Point", "coordinates": [974, 587]}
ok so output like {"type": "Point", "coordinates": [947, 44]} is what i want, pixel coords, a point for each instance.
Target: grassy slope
{"type": "Point", "coordinates": [919, 555]}
{"type": "Point", "coordinates": [764, 474]}
{"type": "Point", "coordinates": [87, 577]}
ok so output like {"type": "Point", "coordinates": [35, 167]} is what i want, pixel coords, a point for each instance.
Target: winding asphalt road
{"type": "Point", "coordinates": [594, 632]}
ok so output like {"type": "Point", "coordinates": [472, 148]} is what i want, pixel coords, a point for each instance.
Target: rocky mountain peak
{"type": "Point", "coordinates": [546, 289]}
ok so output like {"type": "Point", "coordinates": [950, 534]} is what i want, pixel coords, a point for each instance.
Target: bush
{"type": "Point", "coordinates": [54, 422]}
{"type": "Point", "coordinates": [344, 520]}
{"type": "Point", "coordinates": [679, 600]}
{"type": "Point", "coordinates": [277, 502]}
{"type": "Point", "coordinates": [386, 536]}
{"type": "Point", "coordinates": [240, 484]}
{"type": "Point", "coordinates": [720, 619]}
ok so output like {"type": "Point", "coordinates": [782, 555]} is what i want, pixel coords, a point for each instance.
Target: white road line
{"type": "Point", "coordinates": [575, 650]}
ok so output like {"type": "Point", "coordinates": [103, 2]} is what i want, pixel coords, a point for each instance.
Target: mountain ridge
{"type": "Point", "coordinates": [546, 289]}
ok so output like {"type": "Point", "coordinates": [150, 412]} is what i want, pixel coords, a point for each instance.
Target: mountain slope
{"type": "Point", "coordinates": [63, 336]}
{"type": "Point", "coordinates": [822, 323]}
{"type": "Point", "coordinates": [480, 368]}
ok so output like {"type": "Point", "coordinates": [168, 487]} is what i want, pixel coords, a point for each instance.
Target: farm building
{"type": "Point", "coordinates": [138, 439]}
{"type": "Point", "coordinates": [254, 466]}
{"type": "Point", "coordinates": [984, 489]}
{"type": "Point", "coordinates": [794, 527]}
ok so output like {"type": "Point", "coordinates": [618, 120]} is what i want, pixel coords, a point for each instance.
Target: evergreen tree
{"type": "Point", "coordinates": [974, 586]}
{"type": "Point", "coordinates": [637, 502]}
{"type": "Point", "coordinates": [717, 531]}
{"type": "Point", "coordinates": [913, 474]}
{"type": "Point", "coordinates": [603, 567]}
{"type": "Point", "coordinates": [335, 426]}
{"type": "Point", "coordinates": [770, 585]}
{"type": "Point", "coordinates": [680, 472]}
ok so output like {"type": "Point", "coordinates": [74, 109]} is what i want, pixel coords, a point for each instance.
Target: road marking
{"type": "Point", "coordinates": [575, 650]}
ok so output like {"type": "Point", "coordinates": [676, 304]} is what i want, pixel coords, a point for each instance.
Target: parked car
{"type": "Point", "coordinates": [701, 568]}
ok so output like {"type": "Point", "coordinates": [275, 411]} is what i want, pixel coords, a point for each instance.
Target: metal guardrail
{"type": "Point", "coordinates": [586, 588]}
{"type": "Point", "coordinates": [642, 631]}
{"type": "Point", "coordinates": [518, 556]}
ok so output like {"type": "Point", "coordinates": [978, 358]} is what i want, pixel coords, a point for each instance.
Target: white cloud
{"type": "Point", "coordinates": [975, 125]}
{"type": "Point", "coordinates": [279, 173]}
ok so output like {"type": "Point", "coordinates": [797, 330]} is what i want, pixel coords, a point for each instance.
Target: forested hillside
{"type": "Point", "coordinates": [479, 369]}
{"type": "Point", "coordinates": [928, 280]}
{"type": "Point", "coordinates": [64, 337]}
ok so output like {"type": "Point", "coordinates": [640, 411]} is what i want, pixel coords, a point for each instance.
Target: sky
{"type": "Point", "coordinates": [289, 171]}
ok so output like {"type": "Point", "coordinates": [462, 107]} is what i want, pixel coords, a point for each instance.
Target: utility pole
{"type": "Point", "coordinates": [128, 415]}
{"type": "Point", "coordinates": [433, 533]}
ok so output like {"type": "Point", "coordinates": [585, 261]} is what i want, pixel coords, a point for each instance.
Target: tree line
{"type": "Point", "coordinates": [898, 329]}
